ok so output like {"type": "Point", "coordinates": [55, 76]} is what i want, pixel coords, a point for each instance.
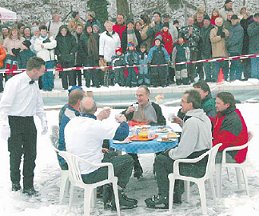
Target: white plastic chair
{"type": "Point", "coordinates": [64, 179]}
{"type": "Point", "coordinates": [89, 189]}
{"type": "Point", "coordinates": [239, 167]}
{"type": "Point", "coordinates": [210, 168]}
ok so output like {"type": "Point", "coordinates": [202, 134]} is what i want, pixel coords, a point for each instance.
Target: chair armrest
{"type": "Point", "coordinates": [232, 148]}
{"type": "Point", "coordinates": [187, 160]}
{"type": "Point", "coordinates": [109, 165]}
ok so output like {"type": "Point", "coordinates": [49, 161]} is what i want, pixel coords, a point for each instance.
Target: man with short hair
{"type": "Point", "coordinates": [229, 128]}
{"type": "Point", "coordinates": [207, 102]}
{"type": "Point", "coordinates": [71, 110]}
{"type": "Point", "coordinates": [196, 139]}
{"type": "Point", "coordinates": [149, 113]}
{"type": "Point", "coordinates": [253, 33]}
{"type": "Point", "coordinates": [228, 6]}
{"type": "Point", "coordinates": [84, 137]}
{"type": "Point", "coordinates": [155, 26]}
{"type": "Point", "coordinates": [54, 24]}
{"type": "Point", "coordinates": [22, 100]}
{"type": "Point", "coordinates": [120, 26]}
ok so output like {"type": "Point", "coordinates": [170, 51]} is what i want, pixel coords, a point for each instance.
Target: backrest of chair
{"type": "Point", "coordinates": [211, 160]}
{"type": "Point", "coordinates": [73, 167]}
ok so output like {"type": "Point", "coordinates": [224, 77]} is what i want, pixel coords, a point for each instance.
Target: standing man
{"type": "Point", "coordinates": [196, 139]}
{"type": "Point", "coordinates": [234, 47]}
{"type": "Point", "coordinates": [21, 100]}
{"type": "Point", "coordinates": [120, 26]}
{"type": "Point", "coordinates": [253, 33]}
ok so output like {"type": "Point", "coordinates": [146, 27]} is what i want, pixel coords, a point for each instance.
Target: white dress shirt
{"type": "Point", "coordinates": [84, 137]}
{"type": "Point", "coordinates": [21, 99]}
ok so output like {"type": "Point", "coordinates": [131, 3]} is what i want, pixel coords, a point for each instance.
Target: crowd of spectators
{"type": "Point", "coordinates": [142, 51]}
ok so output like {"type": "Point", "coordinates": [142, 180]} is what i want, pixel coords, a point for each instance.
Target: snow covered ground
{"type": "Point", "coordinates": [47, 176]}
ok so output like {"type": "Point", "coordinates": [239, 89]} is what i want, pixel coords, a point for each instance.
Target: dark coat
{"type": "Point", "coordinates": [205, 43]}
{"type": "Point", "coordinates": [124, 40]}
{"type": "Point", "coordinates": [253, 33]}
{"type": "Point", "coordinates": [160, 118]}
{"type": "Point", "coordinates": [66, 48]}
{"type": "Point", "coordinates": [23, 58]}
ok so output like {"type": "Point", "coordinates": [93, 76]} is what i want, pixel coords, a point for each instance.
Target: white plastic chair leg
{"type": "Point", "coordinates": [238, 175]}
{"type": "Point", "coordinates": [87, 201]}
{"type": "Point", "coordinates": [228, 173]}
{"type": "Point", "coordinates": [116, 197]}
{"type": "Point", "coordinates": [93, 199]}
{"type": "Point", "coordinates": [187, 190]}
{"type": "Point", "coordinates": [245, 181]}
{"type": "Point", "coordinates": [171, 194]}
{"type": "Point", "coordinates": [71, 197]}
{"type": "Point", "coordinates": [201, 186]}
{"type": "Point", "coordinates": [218, 179]}
{"type": "Point", "coordinates": [211, 182]}
{"type": "Point", "coordinates": [64, 186]}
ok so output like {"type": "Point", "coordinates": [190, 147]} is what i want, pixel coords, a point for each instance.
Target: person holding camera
{"type": "Point", "coordinates": [44, 46]}
{"type": "Point", "coordinates": [218, 36]}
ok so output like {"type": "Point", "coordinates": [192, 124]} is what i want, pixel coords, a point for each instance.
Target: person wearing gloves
{"type": "Point", "coordinates": [196, 139]}
{"type": "Point", "coordinates": [22, 100]}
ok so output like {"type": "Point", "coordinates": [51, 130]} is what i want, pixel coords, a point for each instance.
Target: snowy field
{"type": "Point", "coordinates": [47, 177]}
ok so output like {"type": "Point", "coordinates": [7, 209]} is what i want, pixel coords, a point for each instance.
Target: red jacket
{"type": "Point", "coordinates": [119, 29]}
{"type": "Point", "coordinates": [229, 128]}
{"type": "Point", "coordinates": [167, 41]}
{"type": "Point", "coordinates": [2, 56]}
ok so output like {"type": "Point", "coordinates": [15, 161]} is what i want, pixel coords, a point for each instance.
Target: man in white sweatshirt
{"type": "Point", "coordinates": [196, 139]}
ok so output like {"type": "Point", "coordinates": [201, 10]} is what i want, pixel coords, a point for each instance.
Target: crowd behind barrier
{"type": "Point", "coordinates": [153, 51]}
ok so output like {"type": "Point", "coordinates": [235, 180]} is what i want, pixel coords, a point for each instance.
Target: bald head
{"type": "Point", "coordinates": [88, 106]}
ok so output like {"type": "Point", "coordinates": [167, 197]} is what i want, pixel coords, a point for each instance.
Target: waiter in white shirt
{"type": "Point", "coordinates": [22, 100]}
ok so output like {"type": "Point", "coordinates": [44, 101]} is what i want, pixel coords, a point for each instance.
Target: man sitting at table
{"type": "Point", "coordinates": [84, 137]}
{"type": "Point", "coordinates": [147, 112]}
{"type": "Point", "coordinates": [196, 139]}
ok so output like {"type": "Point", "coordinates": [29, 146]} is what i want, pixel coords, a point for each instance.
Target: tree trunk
{"type": "Point", "coordinates": [122, 7]}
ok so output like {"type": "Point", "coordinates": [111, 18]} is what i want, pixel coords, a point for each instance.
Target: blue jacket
{"type": "Point", "coordinates": [68, 114]}
{"type": "Point", "coordinates": [122, 132]}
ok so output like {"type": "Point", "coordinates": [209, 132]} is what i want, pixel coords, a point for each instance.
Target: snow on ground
{"type": "Point", "coordinates": [47, 176]}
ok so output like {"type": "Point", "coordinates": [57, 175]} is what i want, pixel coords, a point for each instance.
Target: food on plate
{"type": "Point", "coordinates": [164, 138]}
{"type": "Point", "coordinates": [143, 133]}
{"type": "Point", "coordinates": [162, 130]}
{"type": "Point", "coordinates": [172, 134]}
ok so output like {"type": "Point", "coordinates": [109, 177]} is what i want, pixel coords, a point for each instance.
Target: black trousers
{"type": "Point", "coordinates": [164, 166]}
{"type": "Point", "coordinates": [22, 143]}
{"type": "Point", "coordinates": [122, 164]}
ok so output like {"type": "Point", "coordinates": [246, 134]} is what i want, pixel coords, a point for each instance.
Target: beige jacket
{"type": "Point", "coordinates": [218, 44]}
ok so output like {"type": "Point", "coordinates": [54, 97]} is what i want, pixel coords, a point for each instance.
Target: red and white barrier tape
{"type": "Point", "coordinates": [10, 71]}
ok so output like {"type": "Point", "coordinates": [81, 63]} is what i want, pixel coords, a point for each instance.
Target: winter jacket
{"type": "Point", "coordinates": [229, 128]}
{"type": "Point", "coordinates": [163, 55]}
{"type": "Point", "coordinates": [124, 40]}
{"type": "Point", "coordinates": [9, 44]}
{"type": "Point", "coordinates": [47, 53]}
{"type": "Point", "coordinates": [119, 29]}
{"type": "Point", "coordinates": [66, 47]}
{"type": "Point", "coordinates": [253, 33]}
{"type": "Point", "coordinates": [67, 115]}
{"type": "Point", "coordinates": [193, 39]}
{"type": "Point", "coordinates": [218, 43]}
{"type": "Point", "coordinates": [107, 45]}
{"type": "Point", "coordinates": [23, 58]}
{"type": "Point", "coordinates": [245, 23]}
{"type": "Point", "coordinates": [160, 118]}
{"type": "Point", "coordinates": [167, 41]}
{"type": "Point", "coordinates": [205, 43]}
{"type": "Point", "coordinates": [208, 105]}
{"type": "Point", "coordinates": [2, 56]}
{"type": "Point", "coordinates": [235, 40]}
{"type": "Point", "coordinates": [181, 53]}
{"type": "Point", "coordinates": [196, 135]}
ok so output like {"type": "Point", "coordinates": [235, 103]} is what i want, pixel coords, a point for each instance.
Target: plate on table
{"type": "Point", "coordinates": [137, 138]}
{"type": "Point", "coordinates": [162, 130]}
{"type": "Point", "coordinates": [166, 141]}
